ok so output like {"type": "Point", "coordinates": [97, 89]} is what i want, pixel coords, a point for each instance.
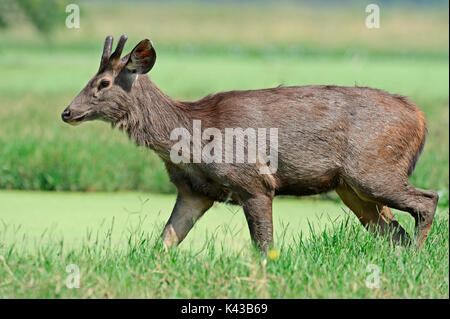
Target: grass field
{"type": "Point", "coordinates": [121, 196]}
{"type": "Point", "coordinates": [322, 252]}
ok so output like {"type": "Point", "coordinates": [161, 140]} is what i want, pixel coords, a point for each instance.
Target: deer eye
{"type": "Point", "coordinates": [104, 84]}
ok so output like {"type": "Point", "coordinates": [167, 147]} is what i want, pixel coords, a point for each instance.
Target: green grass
{"type": "Point", "coordinates": [236, 26]}
{"type": "Point", "coordinates": [113, 239]}
{"type": "Point", "coordinates": [67, 215]}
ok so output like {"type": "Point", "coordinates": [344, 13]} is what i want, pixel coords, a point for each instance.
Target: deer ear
{"type": "Point", "coordinates": [142, 58]}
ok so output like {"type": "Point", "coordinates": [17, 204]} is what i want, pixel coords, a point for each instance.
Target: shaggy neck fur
{"type": "Point", "coordinates": [152, 116]}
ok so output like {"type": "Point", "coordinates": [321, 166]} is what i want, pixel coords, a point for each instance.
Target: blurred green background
{"type": "Point", "coordinates": [203, 47]}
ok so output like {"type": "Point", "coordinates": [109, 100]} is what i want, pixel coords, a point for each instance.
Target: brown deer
{"type": "Point", "coordinates": [361, 142]}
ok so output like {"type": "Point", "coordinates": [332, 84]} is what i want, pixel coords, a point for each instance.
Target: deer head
{"type": "Point", "coordinates": [109, 94]}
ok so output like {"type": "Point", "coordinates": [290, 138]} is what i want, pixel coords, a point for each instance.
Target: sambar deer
{"type": "Point", "coordinates": [359, 141]}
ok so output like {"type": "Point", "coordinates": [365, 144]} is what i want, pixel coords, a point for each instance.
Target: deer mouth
{"type": "Point", "coordinates": [77, 120]}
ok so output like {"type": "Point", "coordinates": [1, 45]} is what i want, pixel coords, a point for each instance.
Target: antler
{"type": "Point", "coordinates": [107, 57]}
{"type": "Point", "coordinates": [116, 55]}
{"type": "Point", "coordinates": [106, 51]}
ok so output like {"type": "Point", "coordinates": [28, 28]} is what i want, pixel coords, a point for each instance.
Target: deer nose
{"type": "Point", "coordinates": [65, 115]}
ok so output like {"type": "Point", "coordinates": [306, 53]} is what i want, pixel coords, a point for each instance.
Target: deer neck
{"type": "Point", "coordinates": [153, 116]}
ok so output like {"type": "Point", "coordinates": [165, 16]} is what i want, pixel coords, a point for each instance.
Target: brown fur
{"type": "Point", "coordinates": [360, 141]}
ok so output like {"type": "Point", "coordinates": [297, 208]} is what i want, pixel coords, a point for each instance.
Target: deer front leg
{"type": "Point", "coordinates": [258, 212]}
{"type": "Point", "coordinates": [188, 209]}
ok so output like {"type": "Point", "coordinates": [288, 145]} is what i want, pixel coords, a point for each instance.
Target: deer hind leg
{"type": "Point", "coordinates": [399, 194]}
{"type": "Point", "coordinates": [376, 218]}
{"type": "Point", "coordinates": [424, 219]}
{"type": "Point", "coordinates": [421, 204]}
